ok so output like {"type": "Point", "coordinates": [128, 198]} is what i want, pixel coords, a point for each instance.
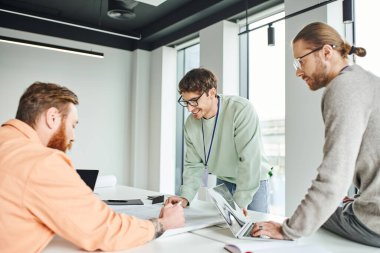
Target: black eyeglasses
{"type": "Point", "coordinates": [193, 102]}
{"type": "Point", "coordinates": [297, 63]}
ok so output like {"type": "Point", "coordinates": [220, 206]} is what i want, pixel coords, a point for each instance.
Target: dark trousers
{"type": "Point", "coordinates": [344, 223]}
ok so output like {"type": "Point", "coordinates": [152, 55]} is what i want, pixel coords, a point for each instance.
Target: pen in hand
{"type": "Point", "coordinates": [179, 203]}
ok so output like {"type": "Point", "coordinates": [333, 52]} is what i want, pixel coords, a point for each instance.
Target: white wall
{"type": "Point", "coordinates": [153, 119]}
{"type": "Point", "coordinates": [127, 104]}
{"type": "Point", "coordinates": [139, 121]}
{"type": "Point", "coordinates": [102, 85]}
{"type": "Point", "coordinates": [162, 120]}
{"type": "Point", "coordinates": [219, 52]}
{"type": "Point", "coordinates": [304, 127]}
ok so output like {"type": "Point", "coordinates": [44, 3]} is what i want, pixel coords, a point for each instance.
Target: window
{"type": "Point", "coordinates": [365, 36]}
{"type": "Point", "coordinates": [187, 59]}
{"type": "Point", "coordinates": [266, 91]}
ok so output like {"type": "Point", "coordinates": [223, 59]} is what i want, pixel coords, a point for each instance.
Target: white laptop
{"type": "Point", "coordinates": [239, 225]}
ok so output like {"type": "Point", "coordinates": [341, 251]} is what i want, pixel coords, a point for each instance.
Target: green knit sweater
{"type": "Point", "coordinates": [237, 152]}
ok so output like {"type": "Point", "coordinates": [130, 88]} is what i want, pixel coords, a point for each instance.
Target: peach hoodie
{"type": "Point", "coordinates": [42, 195]}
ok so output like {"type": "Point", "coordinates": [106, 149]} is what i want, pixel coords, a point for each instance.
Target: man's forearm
{"type": "Point", "coordinates": [158, 227]}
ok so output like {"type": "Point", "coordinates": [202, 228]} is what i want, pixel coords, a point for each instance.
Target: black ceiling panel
{"type": "Point", "coordinates": [155, 25]}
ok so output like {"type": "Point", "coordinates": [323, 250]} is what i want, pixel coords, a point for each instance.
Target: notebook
{"type": "Point", "coordinates": [89, 177]}
{"type": "Point", "coordinates": [239, 225]}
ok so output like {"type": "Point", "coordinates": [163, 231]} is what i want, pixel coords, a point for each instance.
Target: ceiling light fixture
{"type": "Point", "coordinates": [271, 37]}
{"type": "Point", "coordinates": [50, 47]}
{"type": "Point", "coordinates": [348, 15]}
{"type": "Point", "coordinates": [152, 2]}
{"type": "Point", "coordinates": [122, 9]}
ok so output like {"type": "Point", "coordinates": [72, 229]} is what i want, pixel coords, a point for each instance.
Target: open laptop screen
{"type": "Point", "coordinates": [89, 177]}
{"type": "Point", "coordinates": [228, 208]}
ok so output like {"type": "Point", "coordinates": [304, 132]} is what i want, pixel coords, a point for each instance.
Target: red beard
{"type": "Point", "coordinates": [320, 77]}
{"type": "Point", "coordinates": [59, 139]}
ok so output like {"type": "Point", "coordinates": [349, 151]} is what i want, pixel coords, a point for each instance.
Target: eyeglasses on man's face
{"type": "Point", "coordinates": [297, 62]}
{"type": "Point", "coordinates": [193, 102]}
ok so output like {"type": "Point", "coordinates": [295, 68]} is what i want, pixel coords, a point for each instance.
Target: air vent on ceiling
{"type": "Point", "coordinates": [121, 9]}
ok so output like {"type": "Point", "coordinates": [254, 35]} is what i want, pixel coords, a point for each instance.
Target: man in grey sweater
{"type": "Point", "coordinates": [351, 113]}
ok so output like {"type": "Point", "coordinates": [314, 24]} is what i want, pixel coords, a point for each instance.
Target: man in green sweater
{"type": "Point", "coordinates": [222, 137]}
{"type": "Point", "coordinates": [351, 113]}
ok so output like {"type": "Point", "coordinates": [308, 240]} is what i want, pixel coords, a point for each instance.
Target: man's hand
{"type": "Point", "coordinates": [245, 212]}
{"type": "Point", "coordinates": [174, 200]}
{"type": "Point", "coordinates": [269, 229]}
{"type": "Point", "coordinates": [347, 199]}
{"type": "Point", "coordinates": [172, 216]}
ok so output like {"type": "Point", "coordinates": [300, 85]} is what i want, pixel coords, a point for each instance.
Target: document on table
{"type": "Point", "coordinates": [195, 218]}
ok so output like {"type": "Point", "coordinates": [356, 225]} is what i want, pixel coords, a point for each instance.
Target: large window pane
{"type": "Point", "coordinates": [187, 59]}
{"type": "Point", "coordinates": [267, 94]}
{"type": "Point", "coordinates": [366, 12]}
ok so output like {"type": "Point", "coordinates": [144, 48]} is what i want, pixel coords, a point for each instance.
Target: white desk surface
{"type": "Point", "coordinates": [211, 239]}
{"type": "Point", "coordinates": [323, 238]}
{"type": "Point", "coordinates": [184, 243]}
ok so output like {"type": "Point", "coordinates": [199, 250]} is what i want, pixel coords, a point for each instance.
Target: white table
{"type": "Point", "coordinates": [186, 243]}
{"type": "Point", "coordinates": [322, 238]}
{"type": "Point", "coordinates": [211, 239]}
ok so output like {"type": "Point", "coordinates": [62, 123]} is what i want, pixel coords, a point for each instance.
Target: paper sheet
{"type": "Point", "coordinates": [106, 181]}
{"type": "Point", "coordinates": [194, 217]}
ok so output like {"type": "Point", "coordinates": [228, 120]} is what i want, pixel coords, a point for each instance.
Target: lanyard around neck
{"type": "Point", "coordinates": [212, 137]}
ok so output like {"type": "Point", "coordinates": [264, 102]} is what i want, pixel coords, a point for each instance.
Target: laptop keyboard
{"type": "Point", "coordinates": [248, 231]}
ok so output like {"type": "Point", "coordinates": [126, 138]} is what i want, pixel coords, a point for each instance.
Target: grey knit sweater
{"type": "Point", "coordinates": [351, 154]}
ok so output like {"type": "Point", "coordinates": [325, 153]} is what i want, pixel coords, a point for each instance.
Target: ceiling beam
{"type": "Point", "coordinates": [181, 15]}
{"type": "Point", "coordinates": [16, 22]}
{"type": "Point", "coordinates": [187, 20]}
{"type": "Point", "coordinates": [194, 26]}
